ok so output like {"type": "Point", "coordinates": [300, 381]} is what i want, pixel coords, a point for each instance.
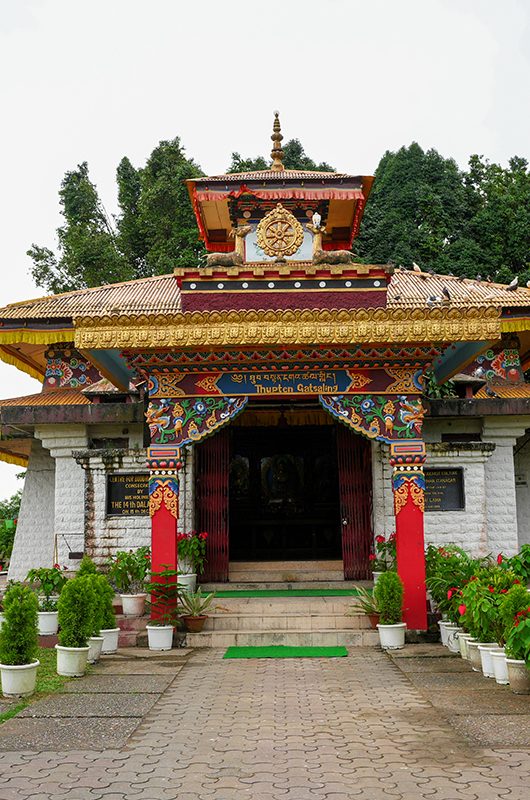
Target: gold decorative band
{"type": "Point", "coordinates": [217, 329]}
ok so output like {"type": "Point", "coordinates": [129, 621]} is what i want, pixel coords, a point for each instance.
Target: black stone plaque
{"type": "Point", "coordinates": [128, 495]}
{"type": "Point", "coordinates": [444, 490]}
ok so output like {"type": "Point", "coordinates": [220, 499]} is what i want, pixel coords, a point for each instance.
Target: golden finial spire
{"type": "Point", "coordinates": [277, 152]}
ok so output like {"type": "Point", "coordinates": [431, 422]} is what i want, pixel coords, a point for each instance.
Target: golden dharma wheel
{"type": "Point", "coordinates": [279, 233]}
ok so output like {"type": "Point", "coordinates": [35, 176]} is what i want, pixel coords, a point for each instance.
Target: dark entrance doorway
{"type": "Point", "coordinates": [284, 494]}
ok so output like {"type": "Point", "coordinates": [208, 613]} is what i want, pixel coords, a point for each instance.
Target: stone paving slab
{"type": "Point", "coordinates": [118, 684]}
{"type": "Point", "coordinates": [94, 733]}
{"type": "Point", "coordinates": [431, 664]}
{"type": "Point", "coordinates": [490, 730]}
{"type": "Point", "coordinates": [91, 705]}
{"type": "Point", "coordinates": [478, 700]}
{"type": "Point", "coordinates": [138, 667]}
{"type": "Point", "coordinates": [456, 681]}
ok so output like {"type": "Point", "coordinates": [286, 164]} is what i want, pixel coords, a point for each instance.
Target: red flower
{"type": "Point", "coordinates": [503, 591]}
{"type": "Point", "coordinates": [372, 557]}
{"type": "Point", "coordinates": [491, 588]}
{"type": "Point", "coordinates": [380, 539]}
{"type": "Point", "coordinates": [516, 623]}
{"type": "Point", "coordinates": [516, 581]}
{"type": "Point", "coordinates": [449, 594]}
{"type": "Point", "coordinates": [57, 566]}
{"type": "Point", "coordinates": [392, 537]}
{"type": "Point", "coordinates": [461, 609]}
{"type": "Point", "coordinates": [499, 558]}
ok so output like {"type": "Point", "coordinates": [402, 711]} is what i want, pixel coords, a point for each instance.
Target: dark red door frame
{"type": "Point", "coordinates": [354, 457]}
{"type": "Point", "coordinates": [211, 485]}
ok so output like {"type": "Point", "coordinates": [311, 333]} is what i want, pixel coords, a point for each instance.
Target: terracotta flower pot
{"type": "Point", "coordinates": [374, 619]}
{"type": "Point", "coordinates": [194, 624]}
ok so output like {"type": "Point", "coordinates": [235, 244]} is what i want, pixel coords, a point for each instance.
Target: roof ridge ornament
{"type": "Point", "coordinates": [277, 151]}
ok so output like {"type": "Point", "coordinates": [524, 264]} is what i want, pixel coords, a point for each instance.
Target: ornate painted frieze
{"type": "Point", "coordinates": [280, 358]}
{"type": "Point", "coordinates": [188, 421]}
{"type": "Point", "coordinates": [378, 417]}
{"type": "Point", "coordinates": [65, 367]}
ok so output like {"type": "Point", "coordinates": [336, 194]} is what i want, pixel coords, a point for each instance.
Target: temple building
{"type": "Point", "coordinates": [279, 395]}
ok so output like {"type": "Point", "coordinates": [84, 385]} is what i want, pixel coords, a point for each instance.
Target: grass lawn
{"type": "Point", "coordinates": [47, 682]}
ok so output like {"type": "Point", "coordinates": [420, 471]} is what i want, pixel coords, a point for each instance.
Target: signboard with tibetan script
{"type": "Point", "coordinates": [128, 494]}
{"type": "Point", "coordinates": [444, 490]}
{"type": "Point", "coordinates": [389, 380]}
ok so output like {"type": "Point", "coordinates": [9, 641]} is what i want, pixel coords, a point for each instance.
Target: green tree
{"type": "Point", "coordinates": [294, 157]}
{"type": "Point", "coordinates": [88, 252]}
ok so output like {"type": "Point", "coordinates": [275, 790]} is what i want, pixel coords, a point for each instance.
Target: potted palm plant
{"type": "Point", "coordinates": [19, 642]}
{"type": "Point", "coordinates": [76, 608]}
{"type": "Point", "coordinates": [367, 602]}
{"type": "Point", "coordinates": [48, 581]}
{"type": "Point", "coordinates": [388, 593]}
{"type": "Point", "coordinates": [164, 591]}
{"type": "Point", "coordinates": [193, 606]}
{"type": "Point", "coordinates": [128, 571]}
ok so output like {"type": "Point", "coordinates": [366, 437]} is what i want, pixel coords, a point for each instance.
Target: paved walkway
{"type": "Point", "coordinates": [357, 727]}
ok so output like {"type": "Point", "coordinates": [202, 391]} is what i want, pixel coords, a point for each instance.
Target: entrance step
{"type": "Point", "coordinates": [285, 571]}
{"type": "Point", "coordinates": [321, 638]}
{"type": "Point", "coordinates": [317, 621]}
{"type": "Point", "coordinates": [241, 586]}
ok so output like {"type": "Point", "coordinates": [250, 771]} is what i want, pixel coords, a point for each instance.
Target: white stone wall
{"type": "Point", "coordinates": [500, 482]}
{"type": "Point", "coordinates": [522, 489]}
{"type": "Point", "coordinates": [34, 539]}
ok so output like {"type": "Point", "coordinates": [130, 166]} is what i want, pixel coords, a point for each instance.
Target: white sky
{"type": "Point", "coordinates": [98, 79]}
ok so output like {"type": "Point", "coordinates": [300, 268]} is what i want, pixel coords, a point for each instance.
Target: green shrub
{"type": "Point", "coordinates": [106, 592]}
{"type": "Point", "coordinates": [86, 567]}
{"type": "Point", "coordinates": [514, 600]}
{"type": "Point", "coordinates": [76, 607]}
{"type": "Point", "coordinates": [19, 636]}
{"type": "Point", "coordinates": [388, 592]}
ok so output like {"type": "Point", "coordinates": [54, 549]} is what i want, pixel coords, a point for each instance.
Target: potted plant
{"type": "Point", "coordinates": [518, 653]}
{"type": "Point", "coordinates": [101, 587]}
{"type": "Point", "coordinates": [191, 554]}
{"type": "Point", "coordinates": [49, 581]}
{"type": "Point", "coordinates": [513, 600]}
{"type": "Point", "coordinates": [164, 591]}
{"type": "Point", "coordinates": [388, 593]}
{"type": "Point", "coordinates": [367, 602]}
{"type": "Point", "coordinates": [128, 571]}
{"type": "Point", "coordinates": [19, 642]}
{"type": "Point", "coordinates": [384, 558]}
{"type": "Point", "coordinates": [193, 606]}
{"type": "Point", "coordinates": [76, 612]}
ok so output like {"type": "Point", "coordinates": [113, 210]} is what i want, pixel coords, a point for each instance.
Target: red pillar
{"type": "Point", "coordinates": [408, 484]}
{"type": "Point", "coordinates": [164, 464]}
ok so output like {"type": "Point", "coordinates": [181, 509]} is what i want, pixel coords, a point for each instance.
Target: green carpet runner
{"type": "Point", "coordinates": [284, 651]}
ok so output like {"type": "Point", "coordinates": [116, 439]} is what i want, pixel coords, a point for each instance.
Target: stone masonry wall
{"type": "Point", "coordinates": [34, 540]}
{"type": "Point", "coordinates": [522, 490]}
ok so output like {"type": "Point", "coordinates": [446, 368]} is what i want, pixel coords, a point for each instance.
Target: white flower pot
{"type": "Point", "coordinates": [453, 645]}
{"type": "Point", "coordinates": [188, 581]}
{"type": "Point", "coordinates": [485, 659]}
{"type": "Point", "coordinates": [392, 637]}
{"type": "Point", "coordinates": [2, 617]}
{"type": "Point", "coordinates": [71, 661]}
{"type": "Point", "coordinates": [474, 655]}
{"type": "Point", "coordinates": [95, 644]}
{"type": "Point", "coordinates": [445, 626]}
{"type": "Point", "coordinates": [518, 676]}
{"type": "Point", "coordinates": [48, 623]}
{"type": "Point", "coordinates": [376, 576]}
{"type": "Point", "coordinates": [133, 605]}
{"type": "Point", "coordinates": [463, 639]}
{"type": "Point", "coordinates": [19, 680]}
{"type": "Point", "coordinates": [160, 637]}
{"type": "Point", "coordinates": [110, 640]}
{"type": "Point", "coordinates": [500, 670]}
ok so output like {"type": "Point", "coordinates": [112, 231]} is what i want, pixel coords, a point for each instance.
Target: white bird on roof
{"type": "Point", "coordinates": [316, 219]}
{"type": "Point", "coordinates": [513, 285]}
{"type": "Point", "coordinates": [416, 267]}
